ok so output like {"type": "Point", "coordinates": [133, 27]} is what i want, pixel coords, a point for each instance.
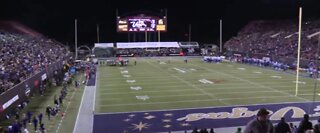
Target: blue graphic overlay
{"type": "Point", "coordinates": [188, 119]}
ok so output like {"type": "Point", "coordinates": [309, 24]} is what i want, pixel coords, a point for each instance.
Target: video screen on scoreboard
{"type": "Point", "coordinates": [141, 24]}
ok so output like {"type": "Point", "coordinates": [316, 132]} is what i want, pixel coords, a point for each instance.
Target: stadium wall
{"type": "Point", "coordinates": [10, 99]}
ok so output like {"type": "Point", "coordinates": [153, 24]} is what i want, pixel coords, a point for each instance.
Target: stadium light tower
{"type": "Point", "coordinates": [76, 38]}
{"type": "Point", "coordinates": [98, 34]}
{"type": "Point", "coordinates": [220, 35]}
{"type": "Point", "coordinates": [189, 33]}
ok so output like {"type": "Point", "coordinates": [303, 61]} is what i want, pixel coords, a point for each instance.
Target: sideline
{"type": "Point", "coordinates": [85, 115]}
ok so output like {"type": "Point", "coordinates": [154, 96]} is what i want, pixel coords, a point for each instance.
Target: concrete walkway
{"type": "Point", "coordinates": [84, 122]}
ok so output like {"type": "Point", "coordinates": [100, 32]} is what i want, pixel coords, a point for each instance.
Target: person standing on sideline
{"type": "Point", "coordinates": [261, 124]}
{"type": "Point", "coordinates": [35, 123]}
{"type": "Point", "coordinates": [29, 115]}
{"type": "Point", "coordinates": [40, 117]}
{"type": "Point", "coordinates": [48, 111]}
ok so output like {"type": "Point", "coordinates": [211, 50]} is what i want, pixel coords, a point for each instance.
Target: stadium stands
{"type": "Point", "coordinates": [276, 39]}
{"type": "Point", "coordinates": [23, 56]}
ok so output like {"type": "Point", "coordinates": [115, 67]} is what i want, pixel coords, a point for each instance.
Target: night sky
{"type": "Point", "coordinates": [55, 18]}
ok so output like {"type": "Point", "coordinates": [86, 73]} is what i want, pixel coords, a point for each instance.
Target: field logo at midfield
{"type": "Point", "coordinates": [144, 97]}
{"type": "Point", "coordinates": [241, 68]}
{"type": "Point", "coordinates": [123, 72]}
{"type": "Point", "coordinates": [131, 81]}
{"type": "Point", "coordinates": [277, 77]}
{"type": "Point", "coordinates": [205, 81]}
{"type": "Point", "coordinates": [299, 82]}
{"type": "Point", "coordinates": [135, 88]}
{"type": "Point", "coordinates": [126, 76]}
{"type": "Point", "coordinates": [182, 71]}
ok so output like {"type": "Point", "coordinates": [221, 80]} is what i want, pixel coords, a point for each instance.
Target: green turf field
{"type": "Point", "coordinates": [194, 84]}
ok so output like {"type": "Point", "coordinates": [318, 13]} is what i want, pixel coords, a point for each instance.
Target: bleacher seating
{"type": "Point", "coordinates": [277, 38]}
{"type": "Point", "coordinates": [23, 56]}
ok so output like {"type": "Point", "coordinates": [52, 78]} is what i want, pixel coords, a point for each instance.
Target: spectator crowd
{"type": "Point", "coordinates": [277, 38]}
{"type": "Point", "coordinates": [21, 56]}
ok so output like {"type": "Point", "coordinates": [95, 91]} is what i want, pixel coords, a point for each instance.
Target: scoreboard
{"type": "Point", "coordinates": [141, 24]}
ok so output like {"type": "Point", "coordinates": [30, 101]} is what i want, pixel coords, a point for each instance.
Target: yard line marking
{"type": "Point", "coordinates": [162, 63]}
{"type": "Point", "coordinates": [144, 78]}
{"type": "Point", "coordinates": [277, 77]}
{"type": "Point", "coordinates": [124, 72]}
{"type": "Point", "coordinates": [164, 86]}
{"type": "Point", "coordinates": [207, 107]}
{"type": "Point", "coordinates": [169, 84]}
{"type": "Point", "coordinates": [178, 90]}
{"type": "Point", "coordinates": [182, 71]}
{"type": "Point", "coordinates": [143, 97]}
{"type": "Point", "coordinates": [219, 93]}
{"type": "Point", "coordinates": [192, 85]}
{"type": "Point", "coordinates": [253, 83]}
{"type": "Point", "coordinates": [163, 96]}
{"type": "Point", "coordinates": [205, 81]}
{"type": "Point", "coordinates": [184, 101]}
{"type": "Point", "coordinates": [299, 82]}
{"type": "Point", "coordinates": [138, 77]}
{"type": "Point", "coordinates": [135, 88]}
{"type": "Point", "coordinates": [131, 81]}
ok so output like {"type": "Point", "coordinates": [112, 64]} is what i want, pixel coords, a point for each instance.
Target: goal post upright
{"type": "Point", "coordinates": [298, 58]}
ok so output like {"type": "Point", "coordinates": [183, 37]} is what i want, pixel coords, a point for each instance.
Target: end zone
{"type": "Point", "coordinates": [187, 119]}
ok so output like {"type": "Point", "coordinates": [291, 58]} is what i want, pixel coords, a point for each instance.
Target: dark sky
{"type": "Point", "coordinates": [55, 18]}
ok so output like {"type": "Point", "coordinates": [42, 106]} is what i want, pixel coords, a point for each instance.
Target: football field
{"type": "Point", "coordinates": [170, 83]}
